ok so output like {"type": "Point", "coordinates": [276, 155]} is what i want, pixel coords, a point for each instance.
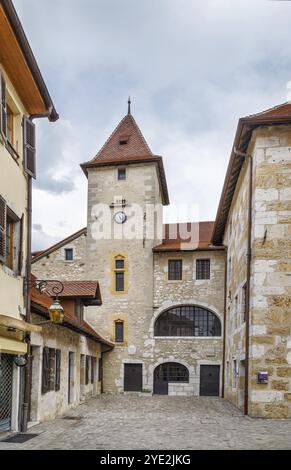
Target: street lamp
{"type": "Point", "coordinates": [55, 311]}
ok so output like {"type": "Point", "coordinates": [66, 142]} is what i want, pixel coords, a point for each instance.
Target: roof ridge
{"type": "Point", "coordinates": [59, 244]}
{"type": "Point", "coordinates": [267, 110]}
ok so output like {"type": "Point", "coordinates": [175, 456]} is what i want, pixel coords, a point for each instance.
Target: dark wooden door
{"type": "Point", "coordinates": [161, 386]}
{"type": "Point", "coordinates": [209, 380]}
{"type": "Point", "coordinates": [71, 377]}
{"type": "Point", "coordinates": [132, 377]}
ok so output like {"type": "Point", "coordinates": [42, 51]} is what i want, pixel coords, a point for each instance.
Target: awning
{"type": "Point", "coordinates": [20, 325]}
{"type": "Point", "coordinates": [12, 346]}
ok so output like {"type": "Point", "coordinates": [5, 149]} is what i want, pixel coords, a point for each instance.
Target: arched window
{"type": "Point", "coordinates": [188, 320]}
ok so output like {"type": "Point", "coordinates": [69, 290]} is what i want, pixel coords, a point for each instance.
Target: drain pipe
{"type": "Point", "coordinates": [224, 326]}
{"type": "Point", "coordinates": [27, 369]}
{"type": "Point", "coordinates": [248, 287]}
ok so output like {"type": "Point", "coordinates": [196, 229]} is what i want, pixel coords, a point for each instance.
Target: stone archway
{"type": "Point", "coordinates": [169, 372]}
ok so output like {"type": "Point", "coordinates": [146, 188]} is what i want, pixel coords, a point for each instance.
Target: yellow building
{"type": "Point", "coordinates": [23, 97]}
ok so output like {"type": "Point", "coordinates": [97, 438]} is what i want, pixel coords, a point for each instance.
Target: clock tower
{"type": "Point", "coordinates": [126, 192]}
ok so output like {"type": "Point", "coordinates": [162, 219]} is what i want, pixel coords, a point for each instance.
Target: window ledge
{"type": "Point", "coordinates": [9, 271]}
{"type": "Point", "coordinates": [188, 337]}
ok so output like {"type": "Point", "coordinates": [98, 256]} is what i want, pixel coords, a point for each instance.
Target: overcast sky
{"type": "Point", "coordinates": [192, 69]}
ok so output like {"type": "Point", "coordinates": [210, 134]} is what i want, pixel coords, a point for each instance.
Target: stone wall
{"type": "Point", "coordinates": [55, 403]}
{"type": "Point", "coordinates": [270, 324]}
{"type": "Point", "coordinates": [55, 266]}
{"type": "Point", "coordinates": [271, 273]}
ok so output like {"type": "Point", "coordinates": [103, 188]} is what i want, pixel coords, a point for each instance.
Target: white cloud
{"type": "Point", "coordinates": [193, 68]}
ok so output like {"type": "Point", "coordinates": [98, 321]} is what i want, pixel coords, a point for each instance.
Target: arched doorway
{"type": "Point", "coordinates": [169, 372]}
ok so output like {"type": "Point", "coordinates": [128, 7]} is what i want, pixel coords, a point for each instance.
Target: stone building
{"type": "Point", "coordinates": [23, 97]}
{"type": "Point", "coordinates": [66, 359]}
{"type": "Point", "coordinates": [198, 308]}
{"type": "Point", "coordinates": [254, 223]}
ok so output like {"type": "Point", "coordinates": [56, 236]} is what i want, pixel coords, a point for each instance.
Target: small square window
{"type": "Point", "coordinates": [121, 174]}
{"type": "Point", "coordinates": [69, 255]}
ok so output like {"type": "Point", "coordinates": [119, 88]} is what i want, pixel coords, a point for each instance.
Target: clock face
{"type": "Point", "coordinates": [120, 217]}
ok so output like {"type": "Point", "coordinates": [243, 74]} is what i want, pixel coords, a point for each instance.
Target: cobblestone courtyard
{"type": "Point", "coordinates": [158, 422]}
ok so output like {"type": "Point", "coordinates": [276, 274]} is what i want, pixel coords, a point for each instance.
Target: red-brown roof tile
{"type": "Point", "coordinates": [135, 151]}
{"type": "Point", "coordinates": [188, 236]}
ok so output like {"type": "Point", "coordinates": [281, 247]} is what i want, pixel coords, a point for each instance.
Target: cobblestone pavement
{"type": "Point", "coordinates": [157, 422]}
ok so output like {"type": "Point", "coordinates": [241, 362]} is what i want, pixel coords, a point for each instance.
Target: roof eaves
{"type": "Point", "coordinates": [59, 244]}
{"type": "Point", "coordinates": [30, 59]}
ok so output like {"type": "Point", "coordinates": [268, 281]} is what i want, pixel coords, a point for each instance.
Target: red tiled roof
{"type": "Point", "coordinates": [135, 151]}
{"type": "Point", "coordinates": [44, 301]}
{"type": "Point", "coordinates": [78, 289]}
{"type": "Point", "coordinates": [277, 115]}
{"type": "Point", "coordinates": [187, 236]}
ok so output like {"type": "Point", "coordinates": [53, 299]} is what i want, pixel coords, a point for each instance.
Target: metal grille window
{"type": "Point", "coordinates": [119, 331]}
{"type": "Point", "coordinates": [175, 270]}
{"type": "Point", "coordinates": [6, 382]}
{"type": "Point", "coordinates": [51, 363]}
{"type": "Point", "coordinates": [172, 372]}
{"type": "Point", "coordinates": [119, 274]}
{"type": "Point", "coordinates": [203, 269]}
{"type": "Point", "coordinates": [188, 320]}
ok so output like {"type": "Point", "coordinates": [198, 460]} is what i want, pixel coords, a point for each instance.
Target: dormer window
{"type": "Point", "coordinates": [121, 174]}
{"type": "Point", "coordinates": [123, 140]}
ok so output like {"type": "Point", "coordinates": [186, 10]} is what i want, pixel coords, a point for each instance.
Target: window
{"type": "Point", "coordinates": [119, 274]}
{"type": "Point", "coordinates": [51, 364]}
{"type": "Point", "coordinates": [175, 270]}
{"type": "Point", "coordinates": [87, 367]}
{"type": "Point", "coordinates": [171, 372]}
{"type": "Point", "coordinates": [100, 369]}
{"type": "Point", "coordinates": [79, 309]}
{"type": "Point", "coordinates": [243, 301]}
{"type": "Point", "coordinates": [187, 320]}
{"type": "Point", "coordinates": [203, 269]}
{"type": "Point", "coordinates": [10, 125]}
{"type": "Point", "coordinates": [121, 174]}
{"type": "Point", "coordinates": [11, 238]}
{"type": "Point", "coordinates": [235, 320]}
{"type": "Point", "coordinates": [69, 254]}
{"type": "Point", "coordinates": [119, 331]}
{"type": "Point", "coordinates": [235, 374]}
{"type": "Point", "coordinates": [58, 370]}
{"type": "Point", "coordinates": [93, 367]}
{"type": "Point", "coordinates": [123, 139]}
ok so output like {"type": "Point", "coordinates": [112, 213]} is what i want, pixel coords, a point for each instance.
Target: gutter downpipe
{"type": "Point", "coordinates": [224, 326]}
{"type": "Point", "coordinates": [248, 289]}
{"type": "Point", "coordinates": [27, 373]}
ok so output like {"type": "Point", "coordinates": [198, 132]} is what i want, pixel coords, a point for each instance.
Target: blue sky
{"type": "Point", "coordinates": [192, 69]}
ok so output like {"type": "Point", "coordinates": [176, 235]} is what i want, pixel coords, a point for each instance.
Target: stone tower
{"type": "Point", "coordinates": [126, 191]}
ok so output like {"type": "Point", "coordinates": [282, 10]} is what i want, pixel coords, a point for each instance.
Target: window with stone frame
{"type": "Point", "coordinates": [202, 269]}
{"type": "Point", "coordinates": [69, 254]}
{"type": "Point", "coordinates": [175, 269]}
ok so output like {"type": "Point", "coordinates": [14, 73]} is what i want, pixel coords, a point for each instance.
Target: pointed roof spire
{"type": "Point", "coordinates": [129, 105]}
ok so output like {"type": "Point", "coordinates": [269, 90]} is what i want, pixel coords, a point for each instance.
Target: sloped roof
{"type": "Point", "coordinates": [80, 289]}
{"type": "Point", "coordinates": [40, 302]}
{"type": "Point", "coordinates": [277, 115]}
{"type": "Point", "coordinates": [56, 246]}
{"type": "Point", "coordinates": [136, 150]}
{"type": "Point", "coordinates": [188, 236]}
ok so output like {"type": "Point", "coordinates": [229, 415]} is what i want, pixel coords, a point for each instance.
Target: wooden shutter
{"type": "Point", "coordinates": [20, 248]}
{"type": "Point", "coordinates": [45, 370]}
{"type": "Point", "coordinates": [52, 368]}
{"type": "Point", "coordinates": [3, 108]}
{"type": "Point", "coordinates": [58, 370]}
{"type": "Point", "coordinates": [93, 365]}
{"type": "Point", "coordinates": [29, 146]}
{"type": "Point", "coordinates": [2, 229]}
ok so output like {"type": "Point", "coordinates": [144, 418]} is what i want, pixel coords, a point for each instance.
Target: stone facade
{"type": "Point", "coordinates": [55, 266]}
{"type": "Point", "coordinates": [45, 406]}
{"type": "Point", "coordinates": [270, 324]}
